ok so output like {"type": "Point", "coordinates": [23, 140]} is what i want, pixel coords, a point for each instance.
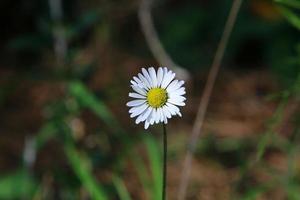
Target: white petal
{"type": "Point", "coordinates": [167, 79]}
{"type": "Point", "coordinates": [153, 76]}
{"type": "Point", "coordinates": [173, 108]}
{"type": "Point", "coordinates": [136, 95]}
{"type": "Point", "coordinates": [139, 90]}
{"type": "Point", "coordinates": [179, 114]}
{"type": "Point", "coordinates": [180, 91]}
{"type": "Point", "coordinates": [133, 82]}
{"type": "Point", "coordinates": [165, 71]}
{"type": "Point", "coordinates": [165, 120]}
{"type": "Point", "coordinates": [146, 125]}
{"type": "Point", "coordinates": [138, 119]}
{"type": "Point", "coordinates": [144, 81]}
{"type": "Point", "coordinates": [172, 111]}
{"type": "Point", "coordinates": [179, 84]}
{"type": "Point", "coordinates": [150, 115]}
{"type": "Point", "coordinates": [152, 121]}
{"type": "Point", "coordinates": [166, 75]}
{"type": "Point", "coordinates": [139, 82]}
{"type": "Point", "coordinates": [151, 118]}
{"type": "Point", "coordinates": [175, 102]}
{"type": "Point", "coordinates": [166, 112]}
{"type": "Point", "coordinates": [172, 85]}
{"type": "Point", "coordinates": [160, 75]}
{"type": "Point", "coordinates": [147, 76]}
{"type": "Point", "coordinates": [162, 115]}
{"type": "Point", "coordinates": [136, 79]}
{"type": "Point", "coordinates": [144, 115]}
{"type": "Point", "coordinates": [135, 103]}
{"type": "Point", "coordinates": [157, 116]}
{"type": "Point", "coordinates": [138, 110]}
{"type": "Point", "coordinates": [177, 98]}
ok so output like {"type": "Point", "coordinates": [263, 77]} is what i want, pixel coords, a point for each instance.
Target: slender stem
{"type": "Point", "coordinates": [153, 41]}
{"type": "Point", "coordinates": [165, 149]}
{"type": "Point", "coordinates": [197, 127]}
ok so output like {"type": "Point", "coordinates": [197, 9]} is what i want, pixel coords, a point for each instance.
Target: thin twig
{"type": "Point", "coordinates": [206, 97]}
{"type": "Point", "coordinates": [29, 153]}
{"type": "Point", "coordinates": [59, 40]}
{"type": "Point", "coordinates": [153, 41]}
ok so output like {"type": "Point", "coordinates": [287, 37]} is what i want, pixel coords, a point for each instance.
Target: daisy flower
{"type": "Point", "coordinates": [157, 96]}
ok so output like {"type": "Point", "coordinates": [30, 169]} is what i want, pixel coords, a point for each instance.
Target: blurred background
{"type": "Point", "coordinates": [65, 132]}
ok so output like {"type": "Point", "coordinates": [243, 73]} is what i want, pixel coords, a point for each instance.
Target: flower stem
{"type": "Point", "coordinates": [165, 150]}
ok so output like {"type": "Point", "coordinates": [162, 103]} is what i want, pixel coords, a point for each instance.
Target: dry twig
{"type": "Point", "coordinates": [59, 41]}
{"type": "Point", "coordinates": [153, 41]}
{"type": "Point", "coordinates": [206, 97]}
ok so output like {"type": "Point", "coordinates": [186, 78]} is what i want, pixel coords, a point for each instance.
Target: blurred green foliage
{"type": "Point", "coordinates": [190, 32]}
{"type": "Point", "coordinates": [17, 185]}
{"type": "Point", "coordinates": [287, 64]}
{"type": "Point", "coordinates": [82, 171]}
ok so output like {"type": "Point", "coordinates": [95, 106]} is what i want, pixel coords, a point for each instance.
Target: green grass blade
{"type": "Point", "coordinates": [121, 188]}
{"type": "Point", "coordinates": [89, 100]}
{"type": "Point", "coordinates": [143, 175]}
{"type": "Point", "coordinates": [81, 169]}
{"type": "Point", "coordinates": [154, 155]}
{"type": "Point", "coordinates": [17, 185]}
{"type": "Point", "coordinates": [276, 118]}
{"type": "Point", "coordinates": [293, 191]}
{"type": "Point", "coordinates": [293, 18]}
{"type": "Point", "coordinates": [291, 3]}
{"type": "Point", "coordinates": [45, 133]}
{"type": "Point", "coordinates": [253, 194]}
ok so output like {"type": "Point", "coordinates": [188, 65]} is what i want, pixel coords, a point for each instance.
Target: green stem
{"type": "Point", "coordinates": [165, 149]}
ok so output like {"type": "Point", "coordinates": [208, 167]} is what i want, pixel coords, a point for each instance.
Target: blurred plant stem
{"type": "Point", "coordinates": [165, 149]}
{"type": "Point", "coordinates": [80, 167]}
{"type": "Point", "coordinates": [60, 42]}
{"type": "Point", "coordinates": [206, 97]}
{"type": "Point", "coordinates": [276, 118]}
{"type": "Point", "coordinates": [151, 183]}
{"type": "Point", "coordinates": [267, 138]}
{"type": "Point", "coordinates": [121, 188]}
{"type": "Point", "coordinates": [274, 121]}
{"type": "Point", "coordinates": [152, 39]}
{"type": "Point", "coordinates": [292, 3]}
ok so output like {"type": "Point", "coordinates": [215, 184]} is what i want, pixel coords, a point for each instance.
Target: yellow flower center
{"type": "Point", "coordinates": [157, 97]}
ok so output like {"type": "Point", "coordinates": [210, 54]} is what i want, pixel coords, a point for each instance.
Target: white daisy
{"type": "Point", "coordinates": [157, 96]}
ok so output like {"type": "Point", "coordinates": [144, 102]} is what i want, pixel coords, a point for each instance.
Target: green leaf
{"type": "Point", "coordinates": [266, 138]}
{"type": "Point", "coordinates": [33, 42]}
{"type": "Point", "coordinates": [293, 18]}
{"type": "Point", "coordinates": [46, 132]}
{"type": "Point", "coordinates": [88, 100]}
{"type": "Point", "coordinates": [152, 183]}
{"type": "Point", "coordinates": [142, 174]}
{"type": "Point", "coordinates": [291, 3]}
{"type": "Point", "coordinates": [121, 188]}
{"type": "Point", "coordinates": [17, 185]}
{"type": "Point", "coordinates": [154, 155]}
{"type": "Point", "coordinates": [83, 172]}
{"type": "Point", "coordinates": [83, 23]}
{"type": "Point", "coordinates": [293, 191]}
{"type": "Point", "coordinates": [253, 193]}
